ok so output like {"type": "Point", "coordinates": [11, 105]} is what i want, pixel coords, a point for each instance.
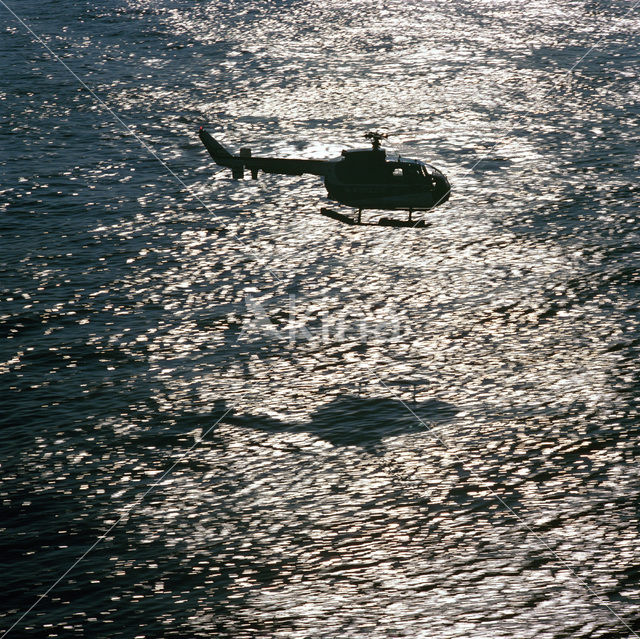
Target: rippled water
{"type": "Point", "coordinates": [432, 433]}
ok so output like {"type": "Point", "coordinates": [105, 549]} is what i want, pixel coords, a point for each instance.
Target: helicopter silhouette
{"type": "Point", "coordinates": [361, 178]}
{"type": "Point", "coordinates": [347, 420]}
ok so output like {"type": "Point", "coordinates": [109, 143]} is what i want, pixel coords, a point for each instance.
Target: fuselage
{"type": "Point", "coordinates": [368, 179]}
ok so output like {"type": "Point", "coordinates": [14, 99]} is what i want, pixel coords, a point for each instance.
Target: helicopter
{"type": "Point", "coordinates": [361, 179]}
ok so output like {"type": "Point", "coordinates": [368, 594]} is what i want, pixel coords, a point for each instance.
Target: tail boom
{"type": "Point", "coordinates": [237, 163]}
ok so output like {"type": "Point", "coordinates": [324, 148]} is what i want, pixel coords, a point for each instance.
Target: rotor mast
{"type": "Point", "coordinates": [376, 138]}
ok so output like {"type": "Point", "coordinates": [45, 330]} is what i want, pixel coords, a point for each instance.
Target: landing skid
{"type": "Point", "coordinates": [383, 221]}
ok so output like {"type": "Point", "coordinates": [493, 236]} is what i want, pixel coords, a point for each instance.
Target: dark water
{"type": "Point", "coordinates": [322, 500]}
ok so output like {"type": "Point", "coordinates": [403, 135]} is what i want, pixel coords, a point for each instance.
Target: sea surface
{"type": "Point", "coordinates": [224, 415]}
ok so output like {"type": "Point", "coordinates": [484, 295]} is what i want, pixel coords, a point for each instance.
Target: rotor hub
{"type": "Point", "coordinates": [376, 138]}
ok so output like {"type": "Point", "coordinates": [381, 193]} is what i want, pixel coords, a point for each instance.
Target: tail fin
{"type": "Point", "coordinates": [216, 150]}
{"type": "Point", "coordinates": [221, 156]}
